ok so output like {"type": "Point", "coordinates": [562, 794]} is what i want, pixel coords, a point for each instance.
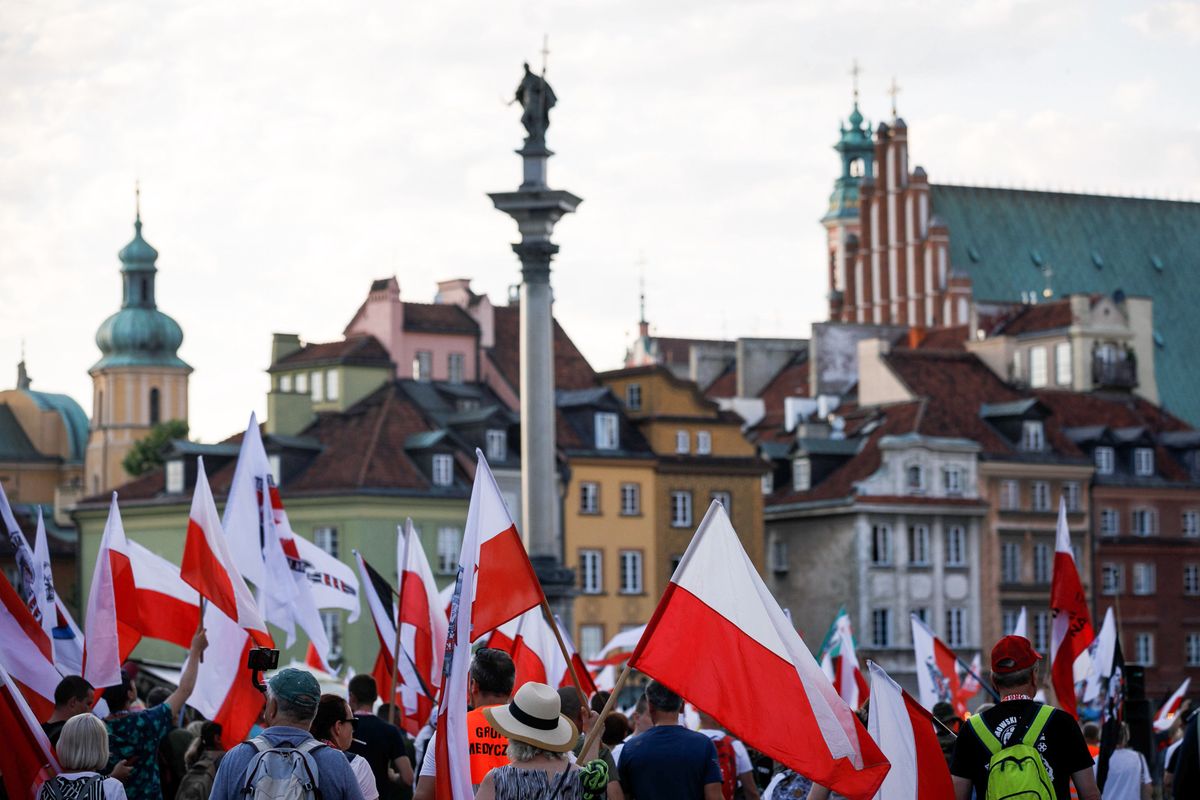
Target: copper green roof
{"type": "Point", "coordinates": [73, 418]}
{"type": "Point", "coordinates": [1003, 238]}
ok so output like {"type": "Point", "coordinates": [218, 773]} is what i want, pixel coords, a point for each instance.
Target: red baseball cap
{"type": "Point", "coordinates": [1013, 654]}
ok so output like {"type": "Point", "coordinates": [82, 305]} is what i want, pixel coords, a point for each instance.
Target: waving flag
{"type": "Point", "coordinates": [839, 661]}
{"type": "Point", "coordinates": [422, 626]}
{"type": "Point", "coordinates": [1101, 654]}
{"type": "Point", "coordinates": [905, 733]}
{"type": "Point", "coordinates": [208, 565]}
{"type": "Point", "coordinates": [26, 654]}
{"type": "Point", "coordinates": [783, 705]}
{"type": "Point", "coordinates": [619, 648]}
{"type": "Point", "coordinates": [1022, 627]}
{"type": "Point", "coordinates": [26, 760]}
{"type": "Point", "coordinates": [1071, 632]}
{"type": "Point", "coordinates": [1166, 714]}
{"type": "Point", "coordinates": [535, 652]}
{"type": "Point", "coordinates": [224, 691]}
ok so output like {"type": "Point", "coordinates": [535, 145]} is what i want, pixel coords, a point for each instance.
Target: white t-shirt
{"type": "Point", "coordinates": [1127, 771]}
{"type": "Point", "coordinates": [364, 776]}
{"type": "Point", "coordinates": [739, 750]}
{"type": "Point", "coordinates": [113, 788]}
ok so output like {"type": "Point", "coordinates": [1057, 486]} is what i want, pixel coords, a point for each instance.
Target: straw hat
{"type": "Point", "coordinates": [534, 717]}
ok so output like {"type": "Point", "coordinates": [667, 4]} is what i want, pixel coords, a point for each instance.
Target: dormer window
{"type": "Point", "coordinates": [1143, 461]}
{"type": "Point", "coordinates": [914, 478]}
{"type": "Point", "coordinates": [1104, 460]}
{"type": "Point", "coordinates": [497, 445]}
{"type": "Point", "coordinates": [633, 397]}
{"type": "Point", "coordinates": [1033, 436]}
{"type": "Point", "coordinates": [175, 476]}
{"type": "Point", "coordinates": [607, 429]}
{"type": "Point", "coordinates": [443, 469]}
{"type": "Point", "coordinates": [801, 474]}
{"type": "Point", "coordinates": [952, 480]}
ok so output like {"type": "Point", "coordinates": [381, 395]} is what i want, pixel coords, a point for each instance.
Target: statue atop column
{"type": "Point", "coordinates": [536, 98]}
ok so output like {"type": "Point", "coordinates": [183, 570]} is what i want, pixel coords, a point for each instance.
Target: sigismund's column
{"type": "Point", "coordinates": [536, 208]}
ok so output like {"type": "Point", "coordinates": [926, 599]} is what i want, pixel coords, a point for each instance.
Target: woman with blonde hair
{"type": "Point", "coordinates": [82, 752]}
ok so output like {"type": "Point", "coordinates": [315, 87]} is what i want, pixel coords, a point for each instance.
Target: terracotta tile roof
{"type": "Point", "coordinates": [1034, 318]}
{"type": "Point", "coordinates": [790, 381]}
{"type": "Point", "coordinates": [725, 384]}
{"type": "Point", "coordinates": [438, 318]}
{"type": "Point", "coordinates": [353, 349]}
{"type": "Point", "coordinates": [952, 338]}
{"type": "Point", "coordinates": [571, 369]}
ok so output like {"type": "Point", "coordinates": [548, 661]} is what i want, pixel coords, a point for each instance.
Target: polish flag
{"type": "Point", "coordinates": [618, 649]}
{"type": "Point", "coordinates": [585, 678]}
{"type": "Point", "coordinates": [208, 565]}
{"type": "Point", "coordinates": [535, 652]}
{"type": "Point", "coordinates": [1071, 632]}
{"type": "Point", "coordinates": [451, 750]}
{"type": "Point", "coordinates": [970, 686]}
{"type": "Point", "coordinates": [937, 668]}
{"type": "Point", "coordinates": [839, 662]}
{"type": "Point", "coordinates": [782, 705]}
{"type": "Point", "coordinates": [905, 733]}
{"type": "Point", "coordinates": [445, 596]}
{"type": "Point", "coordinates": [1101, 652]}
{"type": "Point", "coordinates": [422, 625]}
{"type": "Point", "coordinates": [1022, 627]}
{"type": "Point", "coordinates": [26, 654]}
{"type": "Point", "coordinates": [506, 585]}
{"type": "Point", "coordinates": [1166, 714]}
{"type": "Point", "coordinates": [224, 690]}
{"type": "Point", "coordinates": [26, 760]}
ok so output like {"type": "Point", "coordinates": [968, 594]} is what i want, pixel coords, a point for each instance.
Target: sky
{"type": "Point", "coordinates": [291, 152]}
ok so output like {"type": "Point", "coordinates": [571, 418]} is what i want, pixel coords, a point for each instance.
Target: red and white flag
{"type": "Point", "coordinates": [618, 649]}
{"type": "Point", "coordinates": [1071, 631]}
{"type": "Point", "coordinates": [535, 652]}
{"type": "Point", "coordinates": [1166, 714]}
{"type": "Point", "coordinates": [839, 662]}
{"type": "Point", "coordinates": [585, 678]}
{"type": "Point", "coordinates": [26, 759]}
{"type": "Point", "coordinates": [26, 654]}
{"type": "Point", "coordinates": [1101, 654]}
{"type": "Point", "coordinates": [905, 733]}
{"type": "Point", "coordinates": [225, 691]}
{"type": "Point", "coordinates": [970, 685]}
{"type": "Point", "coordinates": [423, 626]}
{"type": "Point", "coordinates": [1022, 627]}
{"type": "Point", "coordinates": [937, 668]}
{"type": "Point", "coordinates": [784, 706]}
{"type": "Point", "coordinates": [208, 565]}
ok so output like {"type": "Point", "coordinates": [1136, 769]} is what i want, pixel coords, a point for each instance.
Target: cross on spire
{"type": "Point", "coordinates": [641, 264]}
{"type": "Point", "coordinates": [137, 198]}
{"type": "Point", "coordinates": [545, 52]}
{"type": "Point", "coordinates": [894, 91]}
{"type": "Point", "coordinates": [855, 71]}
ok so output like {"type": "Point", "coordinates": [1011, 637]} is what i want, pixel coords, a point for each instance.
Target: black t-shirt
{"type": "Point", "coordinates": [53, 730]}
{"type": "Point", "coordinates": [381, 744]}
{"type": "Point", "coordinates": [1061, 744]}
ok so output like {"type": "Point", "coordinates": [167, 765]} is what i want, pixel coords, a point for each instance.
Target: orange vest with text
{"type": "Point", "coordinates": [487, 746]}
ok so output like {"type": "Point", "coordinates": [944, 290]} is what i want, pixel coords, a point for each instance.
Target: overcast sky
{"type": "Point", "coordinates": [290, 152]}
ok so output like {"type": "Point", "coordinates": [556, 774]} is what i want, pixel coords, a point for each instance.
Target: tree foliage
{"type": "Point", "coordinates": [146, 454]}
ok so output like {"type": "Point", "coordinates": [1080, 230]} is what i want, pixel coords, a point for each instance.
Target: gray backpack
{"type": "Point", "coordinates": [282, 772]}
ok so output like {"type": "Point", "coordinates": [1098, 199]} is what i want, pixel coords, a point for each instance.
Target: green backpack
{"type": "Point", "coordinates": [1016, 771]}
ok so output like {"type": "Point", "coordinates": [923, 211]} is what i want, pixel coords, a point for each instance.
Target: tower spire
{"type": "Point", "coordinates": [137, 201]}
{"type": "Point", "coordinates": [855, 71]}
{"type": "Point", "coordinates": [894, 91]}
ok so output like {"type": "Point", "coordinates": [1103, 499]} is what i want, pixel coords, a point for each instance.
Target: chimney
{"type": "Point", "coordinates": [283, 344]}
{"type": "Point", "coordinates": [916, 335]}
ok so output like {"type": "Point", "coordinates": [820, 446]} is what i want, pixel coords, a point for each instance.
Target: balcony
{"type": "Point", "coordinates": [1114, 369]}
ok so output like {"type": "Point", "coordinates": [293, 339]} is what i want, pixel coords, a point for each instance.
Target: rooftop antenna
{"type": "Point", "coordinates": [894, 91]}
{"type": "Point", "coordinates": [855, 71]}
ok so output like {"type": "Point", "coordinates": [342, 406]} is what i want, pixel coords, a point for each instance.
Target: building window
{"type": "Point", "coordinates": [1143, 649]}
{"type": "Point", "coordinates": [724, 498]}
{"type": "Point", "coordinates": [921, 613]}
{"type": "Point", "coordinates": [1104, 460]}
{"type": "Point", "coordinates": [1111, 578]}
{"type": "Point", "coordinates": [1143, 578]}
{"type": "Point", "coordinates": [956, 546]}
{"type": "Point", "coordinates": [703, 443]}
{"type": "Point", "coordinates": [881, 545]}
{"type": "Point", "coordinates": [683, 442]}
{"type": "Point", "coordinates": [1038, 372]}
{"type": "Point", "coordinates": [497, 445]}
{"type": "Point", "coordinates": [1062, 364]}
{"type": "Point", "coordinates": [631, 499]}
{"type": "Point", "coordinates": [1018, 359]}
{"type": "Point", "coordinates": [914, 478]}
{"type": "Point", "coordinates": [333, 389]}
{"type": "Point", "coordinates": [1145, 522]}
{"type": "Point", "coordinates": [1143, 461]}
{"type": "Point", "coordinates": [606, 430]}
{"type": "Point", "coordinates": [1110, 522]}
{"type": "Point", "coordinates": [1010, 562]}
{"type": "Point", "coordinates": [1010, 495]}
{"type": "Point", "coordinates": [633, 397]}
{"type": "Point", "coordinates": [275, 462]}
{"type": "Point", "coordinates": [422, 365]}
{"type": "Point", "coordinates": [443, 469]}
{"type": "Point", "coordinates": [801, 474]}
{"type": "Point", "coordinates": [1191, 579]}
{"type": "Point", "coordinates": [768, 482]}
{"type": "Point", "coordinates": [175, 476]}
{"type": "Point", "coordinates": [318, 387]}
{"type": "Point", "coordinates": [449, 546]}
{"type": "Point", "coordinates": [779, 554]}
{"type": "Point", "coordinates": [681, 509]}
{"type": "Point", "coordinates": [1041, 496]}
{"type": "Point", "coordinates": [1191, 523]}
{"type": "Point", "coordinates": [285, 383]}
{"type": "Point", "coordinates": [454, 367]}
{"type": "Point", "coordinates": [589, 498]}
{"type": "Point", "coordinates": [1070, 495]}
{"type": "Point", "coordinates": [1192, 651]}
{"type": "Point", "coordinates": [1043, 562]}
{"type": "Point", "coordinates": [1033, 436]}
{"type": "Point", "coordinates": [631, 572]}
{"type": "Point", "coordinates": [918, 545]}
{"type": "Point", "coordinates": [331, 621]}
{"type": "Point", "coordinates": [302, 383]}
{"type": "Point", "coordinates": [952, 480]}
{"type": "Point", "coordinates": [591, 575]}
{"type": "Point", "coordinates": [1041, 631]}
{"type": "Point", "coordinates": [1008, 620]}
{"type": "Point", "coordinates": [327, 539]}
{"type": "Point", "coordinates": [675, 560]}
{"type": "Point", "coordinates": [591, 640]}
{"type": "Point", "coordinates": [956, 627]}
{"type": "Point", "coordinates": [881, 627]}
{"type": "Point", "coordinates": [155, 407]}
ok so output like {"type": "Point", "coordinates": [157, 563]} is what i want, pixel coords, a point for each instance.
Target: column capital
{"type": "Point", "coordinates": [535, 259]}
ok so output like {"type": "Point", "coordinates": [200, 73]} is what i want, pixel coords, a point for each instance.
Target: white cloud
{"type": "Point", "coordinates": [1163, 20]}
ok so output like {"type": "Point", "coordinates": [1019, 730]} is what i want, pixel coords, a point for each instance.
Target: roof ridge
{"type": "Point", "coordinates": [1063, 193]}
{"type": "Point", "coordinates": [370, 451]}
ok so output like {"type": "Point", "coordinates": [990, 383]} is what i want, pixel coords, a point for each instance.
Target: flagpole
{"type": "Point", "coordinates": [979, 680]}
{"type": "Point", "coordinates": [203, 603]}
{"type": "Point", "coordinates": [598, 725]}
{"type": "Point", "coordinates": [396, 643]}
{"type": "Point", "coordinates": [562, 646]}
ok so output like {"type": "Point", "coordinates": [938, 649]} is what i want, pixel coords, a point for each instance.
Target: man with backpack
{"type": "Point", "coordinates": [737, 773]}
{"type": "Point", "coordinates": [1019, 747]}
{"type": "Point", "coordinates": [285, 762]}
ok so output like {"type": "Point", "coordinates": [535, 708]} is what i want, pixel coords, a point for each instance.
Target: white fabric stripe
{"type": "Point", "coordinates": [892, 729]}
{"type": "Point", "coordinates": [154, 573]}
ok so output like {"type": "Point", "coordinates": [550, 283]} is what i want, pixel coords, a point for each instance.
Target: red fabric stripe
{"type": "Point", "coordinates": [205, 573]}
{"type": "Point", "coordinates": [1067, 597]}
{"type": "Point", "coordinates": [415, 611]}
{"type": "Point", "coordinates": [948, 663]}
{"type": "Point", "coordinates": [29, 626]}
{"type": "Point", "coordinates": [585, 677]}
{"type": "Point", "coordinates": [443, 787]}
{"type": "Point", "coordinates": [125, 602]}
{"type": "Point", "coordinates": [933, 776]}
{"type": "Point", "coordinates": [507, 585]}
{"type": "Point", "coordinates": [24, 763]}
{"type": "Point", "coordinates": [242, 705]}
{"type": "Point", "coordinates": [168, 618]}
{"type": "Point", "coordinates": [753, 692]}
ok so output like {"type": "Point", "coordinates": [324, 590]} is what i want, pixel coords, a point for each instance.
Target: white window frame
{"type": "Point", "coordinates": [1041, 631]}
{"type": "Point", "coordinates": [1144, 522]}
{"type": "Point", "coordinates": [1040, 496]}
{"type": "Point", "coordinates": [1143, 648]}
{"type": "Point", "coordinates": [456, 367]}
{"type": "Point", "coordinates": [591, 571]}
{"type": "Point", "coordinates": [1104, 458]}
{"type": "Point", "coordinates": [779, 554]}
{"type": "Point", "coordinates": [1008, 620]}
{"type": "Point", "coordinates": [681, 509]}
{"type": "Point", "coordinates": [497, 444]}
{"type": "Point", "coordinates": [631, 499]}
{"type": "Point", "coordinates": [1191, 580]}
{"type": "Point", "coordinates": [589, 498]}
{"type": "Point", "coordinates": [1010, 495]}
{"type": "Point", "coordinates": [914, 478]}
{"type": "Point", "coordinates": [1144, 578]}
{"type": "Point", "coordinates": [1062, 364]}
{"type": "Point", "coordinates": [1143, 462]}
{"type": "Point", "coordinates": [1189, 523]}
{"type": "Point", "coordinates": [591, 640]}
{"type": "Point", "coordinates": [449, 549]}
{"type": "Point", "coordinates": [326, 538]}
{"type": "Point", "coordinates": [630, 562]}
{"type": "Point", "coordinates": [1071, 495]}
{"type": "Point", "coordinates": [333, 385]}
{"type": "Point", "coordinates": [301, 383]}
{"type": "Point", "coordinates": [683, 442]}
{"type": "Point", "coordinates": [703, 443]}
{"type": "Point", "coordinates": [317, 382]}
{"type": "Point", "coordinates": [275, 463]}
{"type": "Point", "coordinates": [952, 480]}
{"type": "Point", "coordinates": [1039, 372]}
{"type": "Point", "coordinates": [801, 474]}
{"type": "Point", "coordinates": [919, 545]}
{"type": "Point", "coordinates": [175, 476]}
{"type": "Point", "coordinates": [331, 621]}
{"type": "Point", "coordinates": [422, 365]}
{"type": "Point", "coordinates": [1033, 436]}
{"type": "Point", "coordinates": [1010, 562]}
{"type": "Point", "coordinates": [956, 626]}
{"type": "Point", "coordinates": [285, 383]}
{"type": "Point", "coordinates": [443, 469]}
{"type": "Point", "coordinates": [956, 546]}
{"type": "Point", "coordinates": [881, 545]}
{"type": "Point", "coordinates": [1110, 522]}
{"type": "Point", "coordinates": [1112, 578]}
{"type": "Point", "coordinates": [633, 396]}
{"type": "Point", "coordinates": [1043, 562]}
{"type": "Point", "coordinates": [767, 482]}
{"type": "Point", "coordinates": [1191, 650]}
{"type": "Point", "coordinates": [607, 430]}
{"type": "Point", "coordinates": [881, 627]}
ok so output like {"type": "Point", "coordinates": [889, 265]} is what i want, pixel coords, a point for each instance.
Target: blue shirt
{"type": "Point", "coordinates": [136, 735]}
{"type": "Point", "coordinates": [668, 762]}
{"type": "Point", "coordinates": [334, 777]}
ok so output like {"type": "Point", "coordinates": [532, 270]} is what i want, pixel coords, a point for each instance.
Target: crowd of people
{"type": "Point", "coordinates": [529, 745]}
